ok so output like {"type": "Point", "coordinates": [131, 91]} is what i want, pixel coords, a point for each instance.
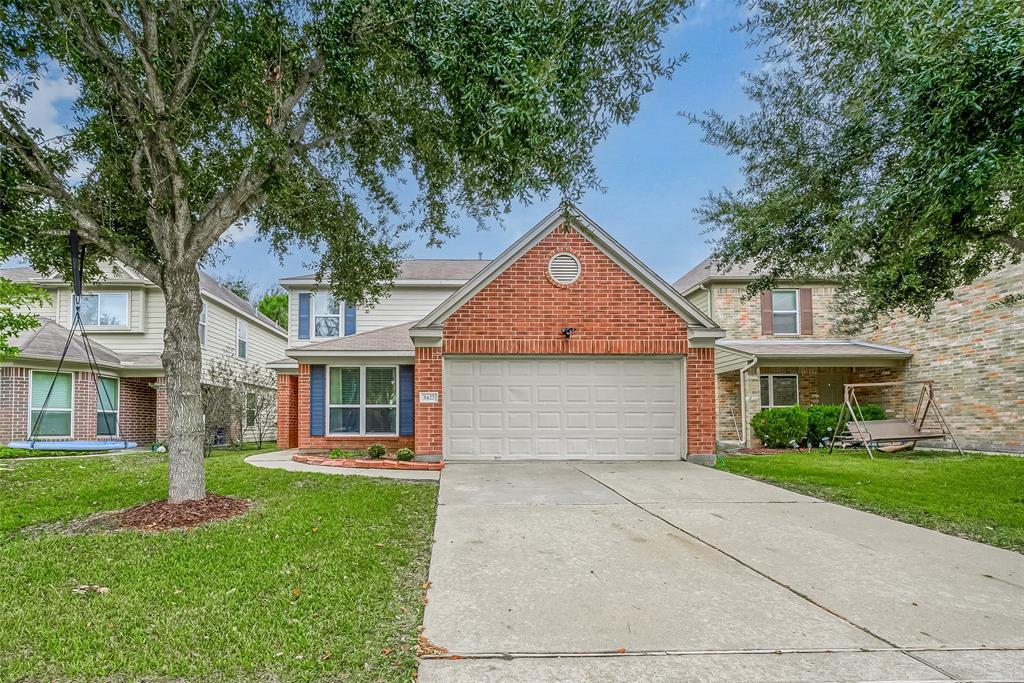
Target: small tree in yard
{"type": "Point", "coordinates": [885, 151]}
{"type": "Point", "coordinates": [302, 117]}
{"type": "Point", "coordinates": [240, 398]}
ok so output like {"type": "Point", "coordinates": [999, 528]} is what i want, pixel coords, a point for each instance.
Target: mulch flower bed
{"type": "Point", "coordinates": [162, 516]}
{"type": "Point", "coordinates": [771, 451]}
{"type": "Point", "coordinates": [368, 463]}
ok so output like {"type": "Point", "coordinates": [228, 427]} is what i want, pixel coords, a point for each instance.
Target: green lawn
{"type": "Point", "coordinates": [321, 580]}
{"type": "Point", "coordinates": [6, 452]}
{"type": "Point", "coordinates": [974, 496]}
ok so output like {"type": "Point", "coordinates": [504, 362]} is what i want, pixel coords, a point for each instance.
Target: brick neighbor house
{"type": "Point", "coordinates": [124, 316]}
{"type": "Point", "coordinates": [565, 346]}
{"type": "Point", "coordinates": [780, 350]}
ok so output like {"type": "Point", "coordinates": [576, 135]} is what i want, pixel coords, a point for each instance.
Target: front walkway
{"type": "Point", "coordinates": [672, 571]}
{"type": "Point", "coordinates": [282, 460]}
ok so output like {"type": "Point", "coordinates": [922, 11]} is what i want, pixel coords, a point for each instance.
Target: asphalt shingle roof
{"type": "Point", "coordinates": [813, 348]}
{"type": "Point", "coordinates": [47, 341]}
{"type": "Point", "coordinates": [424, 269]}
{"type": "Point", "coordinates": [394, 338]}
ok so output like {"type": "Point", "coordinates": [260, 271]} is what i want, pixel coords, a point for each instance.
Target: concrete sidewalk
{"type": "Point", "coordinates": [671, 571]}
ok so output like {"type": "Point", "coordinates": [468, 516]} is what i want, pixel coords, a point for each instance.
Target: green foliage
{"type": "Point", "coordinates": [339, 453]}
{"type": "Point", "coordinates": [821, 420]}
{"type": "Point", "coordinates": [15, 297]}
{"type": "Point", "coordinates": [886, 149]}
{"type": "Point", "coordinates": [376, 450]}
{"type": "Point", "coordinates": [274, 305]}
{"type": "Point", "coordinates": [237, 285]}
{"type": "Point", "coordinates": [404, 454]}
{"type": "Point", "coordinates": [777, 427]}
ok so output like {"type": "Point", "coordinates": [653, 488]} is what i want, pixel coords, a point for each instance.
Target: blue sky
{"type": "Point", "coordinates": [655, 171]}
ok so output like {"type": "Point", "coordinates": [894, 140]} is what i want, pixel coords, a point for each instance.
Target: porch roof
{"type": "Point", "coordinates": [391, 341]}
{"type": "Point", "coordinates": [46, 342]}
{"type": "Point", "coordinates": [815, 352]}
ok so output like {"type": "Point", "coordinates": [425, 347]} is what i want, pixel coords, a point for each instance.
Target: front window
{"type": "Point", "coordinates": [106, 411]}
{"type": "Point", "coordinates": [202, 325]}
{"type": "Point", "coordinates": [243, 339]}
{"type": "Point", "coordinates": [778, 391]}
{"type": "Point", "coordinates": [55, 419]}
{"type": "Point", "coordinates": [363, 400]}
{"type": "Point", "coordinates": [106, 309]}
{"type": "Point", "coordinates": [784, 311]}
{"type": "Point", "coordinates": [326, 316]}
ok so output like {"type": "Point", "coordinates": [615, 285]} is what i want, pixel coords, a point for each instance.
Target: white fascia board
{"type": "Point", "coordinates": [704, 338]}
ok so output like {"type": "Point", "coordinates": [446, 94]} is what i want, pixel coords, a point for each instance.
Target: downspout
{"type": "Point", "coordinates": [743, 398]}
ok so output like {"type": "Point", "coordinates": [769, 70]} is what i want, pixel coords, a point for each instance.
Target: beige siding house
{"type": "Point", "coordinates": [124, 316]}
{"type": "Point", "coordinates": [780, 349]}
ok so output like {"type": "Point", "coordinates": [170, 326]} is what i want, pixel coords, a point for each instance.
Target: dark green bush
{"type": "Point", "coordinates": [404, 454]}
{"type": "Point", "coordinates": [776, 427]}
{"type": "Point", "coordinates": [376, 450]}
{"type": "Point", "coordinates": [821, 420]}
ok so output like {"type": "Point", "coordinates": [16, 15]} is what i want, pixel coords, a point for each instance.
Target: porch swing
{"type": "Point", "coordinates": [890, 435]}
{"type": "Point", "coordinates": [102, 392]}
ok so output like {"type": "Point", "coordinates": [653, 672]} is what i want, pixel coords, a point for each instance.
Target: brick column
{"type": "Point", "coordinates": [429, 436]}
{"type": "Point", "coordinates": [302, 406]}
{"type": "Point", "coordinates": [137, 410]}
{"type": "Point", "coordinates": [13, 404]}
{"type": "Point", "coordinates": [162, 421]}
{"type": "Point", "coordinates": [85, 404]}
{"type": "Point", "coordinates": [700, 405]}
{"type": "Point", "coordinates": [287, 411]}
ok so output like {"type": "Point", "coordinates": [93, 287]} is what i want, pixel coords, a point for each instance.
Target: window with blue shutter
{"type": "Point", "coordinates": [350, 320]}
{"type": "Point", "coordinates": [304, 315]}
{"type": "Point", "coordinates": [317, 405]}
{"type": "Point", "coordinates": [406, 409]}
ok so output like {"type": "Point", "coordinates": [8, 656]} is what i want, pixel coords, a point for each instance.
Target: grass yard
{"type": "Point", "coordinates": [321, 580]}
{"type": "Point", "coordinates": [974, 496]}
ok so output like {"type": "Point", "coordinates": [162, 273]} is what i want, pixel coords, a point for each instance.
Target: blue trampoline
{"type": "Point", "coordinates": [72, 445]}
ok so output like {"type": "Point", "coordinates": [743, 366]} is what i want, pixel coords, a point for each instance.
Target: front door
{"type": "Point", "coordinates": [830, 388]}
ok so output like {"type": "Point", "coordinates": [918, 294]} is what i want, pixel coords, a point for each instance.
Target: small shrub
{"type": "Point", "coordinates": [338, 453]}
{"type": "Point", "coordinates": [776, 427]}
{"type": "Point", "coordinates": [404, 454]}
{"type": "Point", "coordinates": [821, 420]}
{"type": "Point", "coordinates": [376, 450]}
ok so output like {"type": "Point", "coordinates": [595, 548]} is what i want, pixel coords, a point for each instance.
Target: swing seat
{"type": "Point", "coordinates": [882, 431]}
{"type": "Point", "coordinates": [72, 445]}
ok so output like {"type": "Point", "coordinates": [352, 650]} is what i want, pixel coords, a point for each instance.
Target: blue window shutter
{"type": "Point", "coordinates": [304, 315]}
{"type": "Point", "coordinates": [350, 320]}
{"type": "Point", "coordinates": [317, 399]}
{"type": "Point", "coordinates": [406, 409]}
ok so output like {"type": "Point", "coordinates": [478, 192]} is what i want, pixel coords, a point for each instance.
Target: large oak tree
{"type": "Point", "coordinates": [885, 149]}
{"type": "Point", "coordinates": [307, 117]}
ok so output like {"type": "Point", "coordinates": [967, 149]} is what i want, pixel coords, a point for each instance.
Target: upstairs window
{"type": "Point", "coordinates": [202, 325]}
{"type": "Point", "coordinates": [105, 309]}
{"type": "Point", "coordinates": [243, 338]}
{"type": "Point", "coordinates": [326, 316]}
{"type": "Point", "coordinates": [785, 315]}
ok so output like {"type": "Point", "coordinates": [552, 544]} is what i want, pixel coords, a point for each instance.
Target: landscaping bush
{"type": "Point", "coordinates": [403, 454]}
{"type": "Point", "coordinates": [821, 420]}
{"type": "Point", "coordinates": [776, 427]}
{"type": "Point", "coordinates": [338, 453]}
{"type": "Point", "coordinates": [376, 450]}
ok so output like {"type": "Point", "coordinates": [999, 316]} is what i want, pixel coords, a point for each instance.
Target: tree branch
{"type": "Point", "coordinates": [183, 84]}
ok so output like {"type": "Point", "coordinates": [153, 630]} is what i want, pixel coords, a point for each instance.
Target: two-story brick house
{"type": "Point", "coordinates": [780, 349]}
{"type": "Point", "coordinates": [124, 317]}
{"type": "Point", "coordinates": [565, 346]}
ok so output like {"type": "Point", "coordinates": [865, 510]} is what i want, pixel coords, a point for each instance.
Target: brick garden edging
{"type": "Point", "coordinates": [368, 464]}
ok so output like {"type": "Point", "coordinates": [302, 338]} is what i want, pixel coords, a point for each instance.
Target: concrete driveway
{"type": "Point", "coordinates": [671, 571]}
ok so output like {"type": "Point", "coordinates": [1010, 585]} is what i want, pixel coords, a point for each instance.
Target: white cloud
{"type": "Point", "coordinates": [43, 110]}
{"type": "Point", "coordinates": [242, 232]}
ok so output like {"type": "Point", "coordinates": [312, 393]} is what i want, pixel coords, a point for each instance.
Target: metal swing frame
{"type": "Point", "coordinates": [77, 260]}
{"type": "Point", "coordinates": [868, 432]}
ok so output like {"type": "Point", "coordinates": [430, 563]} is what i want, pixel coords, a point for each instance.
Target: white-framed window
{"type": "Point", "coordinates": [242, 334]}
{"type": "Point", "coordinates": [778, 391]}
{"type": "Point", "coordinates": [55, 420]}
{"type": "Point", "coordinates": [202, 325]}
{"type": "Point", "coordinates": [104, 309]}
{"type": "Point", "coordinates": [363, 400]}
{"type": "Point", "coordinates": [326, 316]}
{"type": "Point", "coordinates": [785, 316]}
{"type": "Point", "coordinates": [107, 407]}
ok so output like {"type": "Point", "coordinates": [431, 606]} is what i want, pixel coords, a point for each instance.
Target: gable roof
{"type": "Point", "coordinates": [46, 342]}
{"type": "Point", "coordinates": [394, 340]}
{"type": "Point", "coordinates": [707, 270]}
{"type": "Point", "coordinates": [700, 325]}
{"type": "Point", "coordinates": [206, 284]}
{"type": "Point", "coordinates": [426, 269]}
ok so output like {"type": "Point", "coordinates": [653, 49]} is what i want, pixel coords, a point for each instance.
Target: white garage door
{"type": "Point", "coordinates": [559, 408]}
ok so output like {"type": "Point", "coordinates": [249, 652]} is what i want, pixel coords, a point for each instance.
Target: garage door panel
{"type": "Point", "coordinates": [551, 408]}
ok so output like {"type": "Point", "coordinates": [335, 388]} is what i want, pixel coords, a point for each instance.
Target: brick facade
{"type": "Point", "coordinates": [429, 416]}
{"type": "Point", "coordinates": [740, 316]}
{"type": "Point", "coordinates": [287, 411]}
{"type": "Point", "coordinates": [138, 410]}
{"type": "Point", "coordinates": [14, 391]}
{"type": "Point", "coordinates": [700, 402]}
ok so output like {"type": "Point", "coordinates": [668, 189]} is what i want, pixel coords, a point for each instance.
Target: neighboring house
{"type": "Point", "coordinates": [565, 346]}
{"type": "Point", "coordinates": [124, 317]}
{"type": "Point", "coordinates": [780, 350]}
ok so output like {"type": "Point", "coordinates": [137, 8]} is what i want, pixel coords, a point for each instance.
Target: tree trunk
{"type": "Point", "coordinates": [182, 361]}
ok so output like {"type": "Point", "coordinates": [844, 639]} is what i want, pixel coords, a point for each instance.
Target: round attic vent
{"type": "Point", "coordinates": [564, 268]}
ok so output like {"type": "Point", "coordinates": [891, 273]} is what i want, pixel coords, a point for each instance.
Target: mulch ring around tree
{"type": "Point", "coordinates": [163, 516]}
